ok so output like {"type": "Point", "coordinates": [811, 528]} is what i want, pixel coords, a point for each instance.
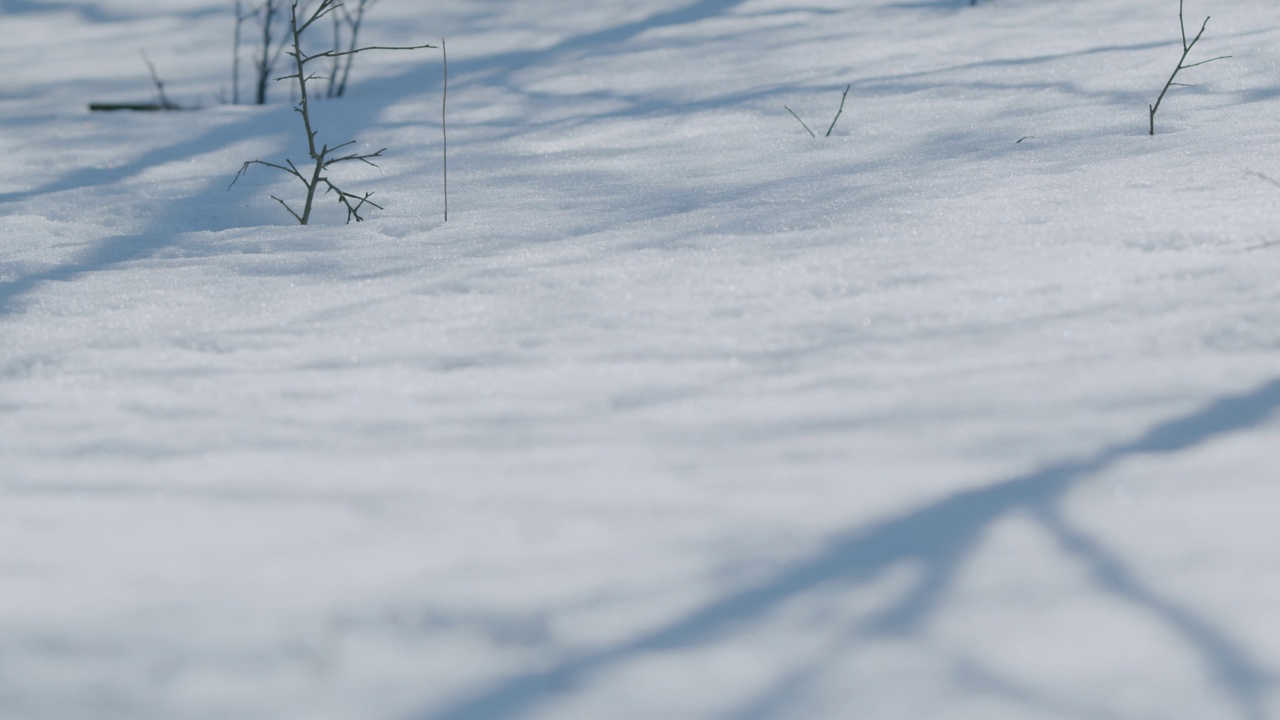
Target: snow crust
{"type": "Point", "coordinates": [965, 411]}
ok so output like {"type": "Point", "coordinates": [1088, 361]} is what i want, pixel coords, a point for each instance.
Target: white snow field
{"type": "Point", "coordinates": [684, 413]}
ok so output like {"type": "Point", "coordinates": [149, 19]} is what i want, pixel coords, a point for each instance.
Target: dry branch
{"type": "Point", "coordinates": [1186, 50]}
{"type": "Point", "coordinates": [322, 156]}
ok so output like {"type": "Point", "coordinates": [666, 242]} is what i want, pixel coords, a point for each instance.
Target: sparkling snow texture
{"type": "Point", "coordinates": [683, 414]}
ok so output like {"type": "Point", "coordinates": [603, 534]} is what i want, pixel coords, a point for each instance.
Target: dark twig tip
{"type": "Point", "coordinates": [841, 110]}
{"type": "Point", "coordinates": [802, 123]}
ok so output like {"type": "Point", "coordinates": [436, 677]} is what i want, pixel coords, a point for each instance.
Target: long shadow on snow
{"type": "Point", "coordinates": [393, 89]}
{"type": "Point", "coordinates": [938, 538]}
{"type": "Point", "coordinates": [355, 116]}
{"type": "Point", "coordinates": [214, 139]}
{"type": "Point", "coordinates": [108, 252]}
{"type": "Point", "coordinates": [168, 220]}
{"type": "Point", "coordinates": [492, 70]}
{"type": "Point", "coordinates": [19, 7]}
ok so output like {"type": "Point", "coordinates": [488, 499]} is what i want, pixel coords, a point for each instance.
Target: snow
{"type": "Point", "coordinates": [683, 414]}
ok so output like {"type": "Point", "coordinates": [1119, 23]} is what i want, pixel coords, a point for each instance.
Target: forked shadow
{"type": "Point", "coordinates": [938, 538]}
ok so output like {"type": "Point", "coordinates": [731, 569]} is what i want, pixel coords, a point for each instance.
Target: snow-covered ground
{"type": "Point", "coordinates": [684, 413]}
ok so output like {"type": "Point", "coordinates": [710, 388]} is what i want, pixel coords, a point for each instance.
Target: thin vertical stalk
{"type": "Point", "coordinates": [444, 128]}
{"type": "Point", "coordinates": [838, 112]}
{"type": "Point", "coordinates": [235, 54]}
{"type": "Point", "coordinates": [354, 21]}
{"type": "Point", "coordinates": [803, 123]}
{"type": "Point", "coordinates": [155, 80]}
{"type": "Point", "coordinates": [337, 60]}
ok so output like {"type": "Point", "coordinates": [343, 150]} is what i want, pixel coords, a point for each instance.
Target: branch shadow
{"type": "Point", "coordinates": [91, 13]}
{"type": "Point", "coordinates": [609, 37]}
{"type": "Point", "coordinates": [170, 218]}
{"type": "Point", "coordinates": [19, 7]}
{"type": "Point", "coordinates": [218, 137]}
{"type": "Point", "coordinates": [937, 538]}
{"type": "Point", "coordinates": [105, 254]}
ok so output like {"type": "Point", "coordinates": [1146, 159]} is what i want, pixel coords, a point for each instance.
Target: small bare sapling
{"type": "Point", "coordinates": [1182, 65]}
{"type": "Point", "coordinates": [830, 127]}
{"type": "Point", "coordinates": [322, 157]}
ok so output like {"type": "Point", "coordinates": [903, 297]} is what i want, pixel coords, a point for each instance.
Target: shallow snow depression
{"type": "Point", "coordinates": [965, 411]}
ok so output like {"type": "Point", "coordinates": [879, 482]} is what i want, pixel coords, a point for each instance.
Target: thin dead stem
{"type": "Point", "coordinates": [834, 120]}
{"type": "Point", "coordinates": [1182, 64]}
{"type": "Point", "coordinates": [837, 117]}
{"type": "Point", "coordinates": [797, 117]}
{"type": "Point", "coordinates": [155, 80]}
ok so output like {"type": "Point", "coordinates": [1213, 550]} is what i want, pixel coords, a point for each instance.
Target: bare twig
{"type": "Point", "coordinates": [834, 120]}
{"type": "Point", "coordinates": [797, 117]}
{"type": "Point", "coordinates": [345, 198]}
{"type": "Point", "coordinates": [285, 205]}
{"type": "Point", "coordinates": [155, 80]}
{"type": "Point", "coordinates": [1186, 50]}
{"type": "Point", "coordinates": [837, 117]}
{"type": "Point", "coordinates": [1267, 178]}
{"type": "Point", "coordinates": [334, 54]}
{"type": "Point", "coordinates": [1261, 246]}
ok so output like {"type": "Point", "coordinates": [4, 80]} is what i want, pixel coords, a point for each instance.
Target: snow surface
{"type": "Point", "coordinates": [683, 414]}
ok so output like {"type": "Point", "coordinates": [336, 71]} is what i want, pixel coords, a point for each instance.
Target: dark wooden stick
{"type": "Point", "coordinates": [155, 80]}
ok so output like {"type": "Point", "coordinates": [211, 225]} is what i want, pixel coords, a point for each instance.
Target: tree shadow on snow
{"type": "Point", "coordinates": [938, 538]}
{"type": "Point", "coordinates": [355, 116]}
{"type": "Point", "coordinates": [420, 78]}
{"type": "Point", "coordinates": [89, 11]}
